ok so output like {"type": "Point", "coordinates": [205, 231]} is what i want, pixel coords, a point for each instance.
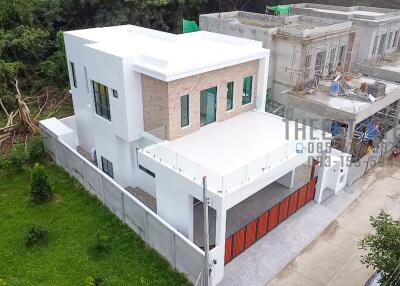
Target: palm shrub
{"type": "Point", "coordinates": [41, 190]}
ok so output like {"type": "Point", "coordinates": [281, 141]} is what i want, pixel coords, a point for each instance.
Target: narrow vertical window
{"type": "Point", "coordinates": [184, 110]}
{"type": "Point", "coordinates": [382, 45]}
{"type": "Point", "coordinates": [72, 65]}
{"type": "Point", "coordinates": [101, 100]}
{"type": "Point", "coordinates": [396, 37]}
{"type": "Point", "coordinates": [229, 96]}
{"type": "Point", "coordinates": [107, 167]}
{"type": "Point", "coordinates": [307, 67]}
{"type": "Point", "coordinates": [342, 56]}
{"type": "Point", "coordinates": [375, 45]}
{"type": "Point", "coordinates": [319, 68]}
{"type": "Point", "coordinates": [389, 43]}
{"type": "Point", "coordinates": [86, 80]}
{"type": "Point", "coordinates": [332, 58]}
{"type": "Point", "coordinates": [247, 88]}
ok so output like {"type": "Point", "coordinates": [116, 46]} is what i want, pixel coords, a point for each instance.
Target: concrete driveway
{"type": "Point", "coordinates": [333, 258]}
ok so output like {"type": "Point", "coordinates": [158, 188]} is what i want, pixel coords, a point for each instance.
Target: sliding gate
{"type": "Point", "coordinates": [249, 234]}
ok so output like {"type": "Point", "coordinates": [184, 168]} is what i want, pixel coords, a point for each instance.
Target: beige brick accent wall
{"type": "Point", "coordinates": [155, 105]}
{"type": "Point", "coordinates": [161, 100]}
{"type": "Point", "coordinates": [195, 84]}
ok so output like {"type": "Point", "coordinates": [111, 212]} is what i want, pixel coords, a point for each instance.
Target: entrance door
{"type": "Point", "coordinates": [208, 106]}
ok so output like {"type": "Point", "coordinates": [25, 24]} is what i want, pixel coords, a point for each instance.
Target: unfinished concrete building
{"type": "Point", "coordinates": [311, 79]}
{"type": "Point", "coordinates": [376, 51]}
{"type": "Point", "coordinates": [297, 43]}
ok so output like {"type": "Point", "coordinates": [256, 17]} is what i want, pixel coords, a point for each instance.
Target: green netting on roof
{"type": "Point", "coordinates": [281, 10]}
{"type": "Point", "coordinates": [189, 26]}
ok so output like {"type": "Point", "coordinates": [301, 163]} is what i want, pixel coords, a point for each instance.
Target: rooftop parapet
{"type": "Point", "coordinates": [355, 13]}
{"type": "Point", "coordinates": [294, 26]}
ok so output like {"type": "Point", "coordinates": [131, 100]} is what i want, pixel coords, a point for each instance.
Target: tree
{"type": "Point", "coordinates": [383, 248]}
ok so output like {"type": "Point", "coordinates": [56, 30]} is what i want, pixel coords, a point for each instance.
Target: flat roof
{"type": "Point", "coordinates": [235, 151]}
{"type": "Point", "coordinates": [226, 146]}
{"type": "Point", "coordinates": [358, 13]}
{"type": "Point", "coordinates": [342, 108]}
{"type": "Point", "coordinates": [168, 56]}
{"type": "Point", "coordinates": [295, 25]}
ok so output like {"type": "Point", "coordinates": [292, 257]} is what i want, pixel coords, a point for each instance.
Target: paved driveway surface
{"type": "Point", "coordinates": [334, 258]}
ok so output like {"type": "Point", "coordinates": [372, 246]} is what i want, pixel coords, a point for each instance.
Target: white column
{"type": "Point", "coordinates": [349, 136]}
{"type": "Point", "coordinates": [262, 84]}
{"type": "Point", "coordinates": [218, 252]}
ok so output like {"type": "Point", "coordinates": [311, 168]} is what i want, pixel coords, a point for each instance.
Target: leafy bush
{"type": "Point", "coordinates": [41, 191]}
{"type": "Point", "coordinates": [94, 281]}
{"type": "Point", "coordinates": [36, 235]}
{"type": "Point", "coordinates": [383, 247]}
{"type": "Point", "coordinates": [36, 149]}
{"type": "Point", "coordinates": [3, 282]}
{"type": "Point", "coordinates": [17, 156]}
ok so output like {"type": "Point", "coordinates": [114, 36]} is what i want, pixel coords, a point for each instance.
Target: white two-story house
{"type": "Point", "coordinates": [158, 112]}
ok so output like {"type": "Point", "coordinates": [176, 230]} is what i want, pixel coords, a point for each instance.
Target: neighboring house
{"type": "Point", "coordinates": [158, 112]}
{"type": "Point", "coordinates": [376, 52]}
{"type": "Point", "coordinates": [301, 46]}
{"type": "Point", "coordinates": [309, 49]}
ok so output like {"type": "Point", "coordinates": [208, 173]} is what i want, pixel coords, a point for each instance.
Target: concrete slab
{"type": "Point", "coordinates": [262, 261]}
{"type": "Point", "coordinates": [334, 258]}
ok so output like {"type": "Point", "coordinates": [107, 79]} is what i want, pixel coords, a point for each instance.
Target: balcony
{"type": "Point", "coordinates": [234, 152]}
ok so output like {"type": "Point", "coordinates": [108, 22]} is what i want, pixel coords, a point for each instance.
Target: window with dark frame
{"type": "Point", "coordinates": [382, 45]}
{"type": "Point", "coordinates": [229, 96]}
{"type": "Point", "coordinates": [72, 65]}
{"type": "Point", "coordinates": [342, 56]}
{"type": "Point", "coordinates": [147, 171]}
{"type": "Point", "coordinates": [107, 167]}
{"type": "Point", "coordinates": [184, 110]}
{"type": "Point", "coordinates": [115, 93]}
{"type": "Point", "coordinates": [375, 45]}
{"type": "Point", "coordinates": [247, 89]}
{"type": "Point", "coordinates": [307, 67]}
{"type": "Point", "coordinates": [396, 37]}
{"type": "Point", "coordinates": [319, 68]}
{"type": "Point", "coordinates": [389, 43]}
{"type": "Point", "coordinates": [332, 57]}
{"type": "Point", "coordinates": [101, 100]}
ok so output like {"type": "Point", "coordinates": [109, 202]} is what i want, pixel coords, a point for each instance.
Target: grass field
{"type": "Point", "coordinates": [72, 219]}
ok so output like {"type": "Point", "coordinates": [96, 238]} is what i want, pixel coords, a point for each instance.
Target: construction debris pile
{"type": "Point", "coordinates": [352, 87]}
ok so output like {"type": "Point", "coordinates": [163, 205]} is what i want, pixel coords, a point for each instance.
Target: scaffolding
{"type": "Point", "coordinates": [331, 65]}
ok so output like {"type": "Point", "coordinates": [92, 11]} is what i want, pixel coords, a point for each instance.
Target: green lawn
{"type": "Point", "coordinates": [72, 220]}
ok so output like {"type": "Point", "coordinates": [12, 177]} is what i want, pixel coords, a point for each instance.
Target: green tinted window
{"type": "Point", "coordinates": [247, 88]}
{"type": "Point", "coordinates": [229, 96]}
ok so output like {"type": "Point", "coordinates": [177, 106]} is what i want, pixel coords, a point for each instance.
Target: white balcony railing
{"type": "Point", "coordinates": [217, 182]}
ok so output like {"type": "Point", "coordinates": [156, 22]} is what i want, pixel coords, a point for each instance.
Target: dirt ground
{"type": "Point", "coordinates": [333, 258]}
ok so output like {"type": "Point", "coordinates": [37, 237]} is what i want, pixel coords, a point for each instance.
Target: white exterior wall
{"type": "Point", "coordinates": [111, 139]}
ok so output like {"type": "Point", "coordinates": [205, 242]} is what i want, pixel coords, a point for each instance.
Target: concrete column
{"type": "Point", "coordinates": [218, 253]}
{"type": "Point", "coordinates": [319, 189]}
{"type": "Point", "coordinates": [190, 222]}
{"type": "Point", "coordinates": [262, 83]}
{"type": "Point", "coordinates": [397, 114]}
{"type": "Point", "coordinates": [287, 180]}
{"type": "Point", "coordinates": [351, 125]}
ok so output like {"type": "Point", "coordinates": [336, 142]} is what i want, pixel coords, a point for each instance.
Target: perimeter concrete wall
{"type": "Point", "coordinates": [360, 168]}
{"type": "Point", "coordinates": [181, 253]}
